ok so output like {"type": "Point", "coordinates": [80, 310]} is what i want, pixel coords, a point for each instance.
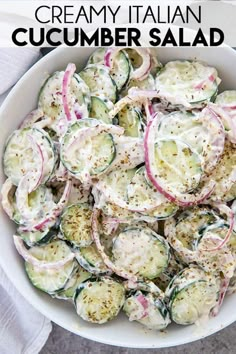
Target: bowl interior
{"type": "Point", "coordinates": [120, 331]}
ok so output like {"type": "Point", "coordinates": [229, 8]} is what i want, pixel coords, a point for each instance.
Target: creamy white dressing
{"type": "Point", "coordinates": [98, 161]}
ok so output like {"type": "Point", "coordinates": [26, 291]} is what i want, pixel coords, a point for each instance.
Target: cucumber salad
{"type": "Point", "coordinates": [122, 186]}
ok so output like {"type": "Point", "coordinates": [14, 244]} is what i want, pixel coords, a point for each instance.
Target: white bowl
{"type": "Point", "coordinates": [120, 331]}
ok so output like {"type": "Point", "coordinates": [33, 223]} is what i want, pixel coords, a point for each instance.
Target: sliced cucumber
{"type": "Point", "coordinates": [143, 195]}
{"type": "Point", "coordinates": [99, 81]}
{"type": "Point", "coordinates": [227, 99]}
{"type": "Point", "coordinates": [223, 174]}
{"type": "Point", "coordinates": [116, 183]}
{"type": "Point", "coordinates": [184, 126]}
{"type": "Point", "coordinates": [36, 205]}
{"type": "Point", "coordinates": [79, 193]}
{"type": "Point", "coordinates": [231, 194]}
{"type": "Point", "coordinates": [51, 252]}
{"type": "Point", "coordinates": [174, 267]}
{"type": "Point", "coordinates": [90, 259]}
{"type": "Point", "coordinates": [177, 165]}
{"type": "Point", "coordinates": [148, 309]}
{"type": "Point", "coordinates": [125, 215]}
{"type": "Point", "coordinates": [190, 81]}
{"type": "Point", "coordinates": [76, 224]}
{"type": "Point", "coordinates": [50, 96]}
{"type": "Point", "coordinates": [141, 251]}
{"type": "Point", "coordinates": [97, 57]}
{"type": "Point", "coordinates": [191, 224]}
{"type": "Point", "coordinates": [33, 238]}
{"type": "Point", "coordinates": [99, 300]}
{"type": "Point", "coordinates": [220, 229]}
{"type": "Point", "coordinates": [92, 155]}
{"type": "Point", "coordinates": [79, 275]}
{"type": "Point", "coordinates": [192, 295]}
{"type": "Point", "coordinates": [49, 280]}
{"type": "Point", "coordinates": [130, 118]}
{"type": "Point", "coordinates": [100, 108]}
{"type": "Point", "coordinates": [146, 84]}
{"type": "Point", "coordinates": [121, 67]}
{"type": "Point", "coordinates": [20, 157]}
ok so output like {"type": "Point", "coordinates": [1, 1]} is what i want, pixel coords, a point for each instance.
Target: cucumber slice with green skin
{"type": "Point", "coordinates": [99, 300]}
{"type": "Point", "coordinates": [191, 224]}
{"type": "Point", "coordinates": [39, 203]}
{"type": "Point", "coordinates": [177, 165]}
{"type": "Point", "coordinates": [147, 309]}
{"type": "Point", "coordinates": [146, 84]}
{"type": "Point", "coordinates": [90, 259]}
{"type": "Point", "coordinates": [50, 280]}
{"type": "Point", "coordinates": [124, 215]}
{"type": "Point", "coordinates": [130, 118]}
{"type": "Point", "coordinates": [184, 126]}
{"type": "Point", "coordinates": [50, 96]}
{"type": "Point", "coordinates": [78, 194]}
{"type": "Point", "coordinates": [192, 295]}
{"type": "Point", "coordinates": [223, 174]}
{"type": "Point", "coordinates": [190, 81]}
{"type": "Point", "coordinates": [97, 57]}
{"type": "Point", "coordinates": [120, 72]}
{"type": "Point", "coordinates": [79, 275]}
{"type": "Point", "coordinates": [220, 229]}
{"type": "Point", "coordinates": [20, 158]}
{"type": "Point", "coordinates": [227, 99]}
{"type": "Point", "coordinates": [231, 194]}
{"type": "Point", "coordinates": [34, 238]}
{"type": "Point", "coordinates": [115, 184]}
{"type": "Point", "coordinates": [121, 69]}
{"type": "Point", "coordinates": [141, 251]}
{"type": "Point", "coordinates": [100, 108]}
{"type": "Point", "coordinates": [51, 252]}
{"type": "Point", "coordinates": [76, 225]}
{"type": "Point", "coordinates": [93, 155]}
{"type": "Point", "coordinates": [142, 194]}
{"type": "Point", "coordinates": [192, 302]}
{"type": "Point", "coordinates": [99, 81]}
{"type": "Point", "coordinates": [174, 267]}
{"type": "Point", "coordinates": [135, 59]}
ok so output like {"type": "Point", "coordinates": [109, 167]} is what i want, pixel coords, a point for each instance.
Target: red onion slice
{"type": "Point", "coordinates": [211, 122]}
{"type": "Point", "coordinates": [142, 96]}
{"type": "Point", "coordinates": [223, 209]}
{"type": "Point", "coordinates": [36, 176]}
{"type": "Point", "coordinates": [54, 213]}
{"type": "Point", "coordinates": [28, 257]}
{"type": "Point", "coordinates": [228, 119]}
{"type": "Point", "coordinates": [6, 203]}
{"type": "Point", "coordinates": [181, 199]}
{"type": "Point", "coordinates": [100, 248]}
{"type": "Point", "coordinates": [68, 75]}
{"type": "Point", "coordinates": [223, 289]}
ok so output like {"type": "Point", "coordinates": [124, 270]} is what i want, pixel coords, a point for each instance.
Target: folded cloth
{"type": "Point", "coordinates": [23, 330]}
{"type": "Point", "coordinates": [14, 62]}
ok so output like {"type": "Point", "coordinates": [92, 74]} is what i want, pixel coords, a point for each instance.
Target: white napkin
{"type": "Point", "coordinates": [23, 330]}
{"type": "Point", "coordinates": [13, 64]}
